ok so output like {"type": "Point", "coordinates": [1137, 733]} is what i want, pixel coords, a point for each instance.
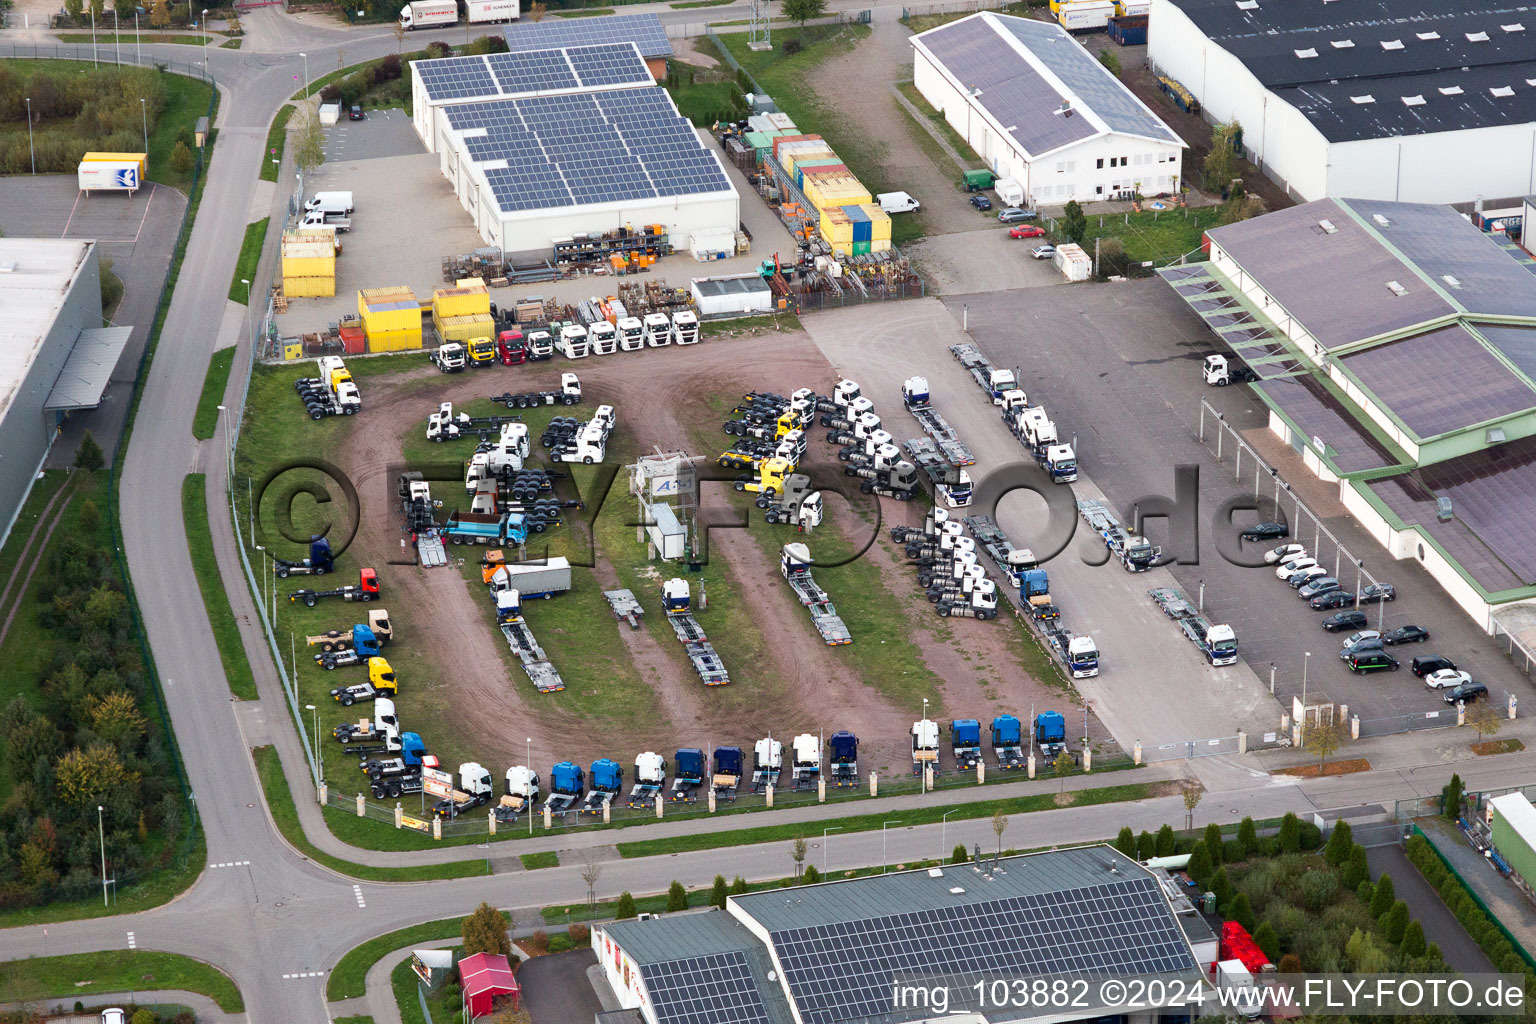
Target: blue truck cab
{"type": "Point", "coordinates": [965, 740]}
{"type": "Point", "coordinates": [1008, 741]}
{"type": "Point", "coordinates": [844, 757]}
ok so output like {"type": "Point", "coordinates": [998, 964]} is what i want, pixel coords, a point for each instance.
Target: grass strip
{"type": "Point", "coordinates": [112, 38]}
{"type": "Point", "coordinates": [226, 633]}
{"type": "Point", "coordinates": [589, 12]}
{"type": "Point", "coordinates": [277, 139]}
{"type": "Point", "coordinates": [286, 817]}
{"type": "Point", "coordinates": [245, 266]}
{"type": "Point", "coordinates": [348, 978]}
{"type": "Point", "coordinates": [206, 420]}
{"type": "Point", "coordinates": [872, 822]}
{"type": "Point", "coordinates": [534, 861]}
{"type": "Point", "coordinates": [700, 3]}
{"type": "Point", "coordinates": [119, 970]}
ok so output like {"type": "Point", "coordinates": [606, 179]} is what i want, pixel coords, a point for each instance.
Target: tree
{"type": "Point", "coordinates": [1450, 798]}
{"type": "Point", "coordinates": [1110, 61]}
{"type": "Point", "coordinates": [1062, 766]}
{"type": "Point", "coordinates": [804, 10]}
{"type": "Point", "coordinates": [116, 719]}
{"type": "Point", "coordinates": [1166, 841]}
{"type": "Point", "coordinates": [1199, 866]}
{"type": "Point", "coordinates": [739, 886]}
{"type": "Point", "coordinates": [399, 37]}
{"type": "Point", "coordinates": [1074, 223]}
{"type": "Point", "coordinates": [1290, 963]}
{"type": "Point", "coordinates": [717, 895]}
{"type": "Point", "coordinates": [84, 777]}
{"type": "Point", "coordinates": [1125, 842]}
{"type": "Point", "coordinates": [1413, 940]}
{"type": "Point", "coordinates": [591, 870]}
{"type": "Point", "coordinates": [485, 931]}
{"type": "Point", "coordinates": [181, 159]}
{"type": "Point", "coordinates": [999, 826]}
{"type": "Point", "coordinates": [811, 876]}
{"type": "Point", "coordinates": [1265, 938]}
{"type": "Point", "coordinates": [1241, 911]}
{"type": "Point", "coordinates": [1383, 897]}
{"type": "Point", "coordinates": [626, 908]}
{"type": "Point", "coordinates": [1146, 846]}
{"type": "Point", "coordinates": [88, 456]}
{"type": "Point", "coordinates": [1322, 740]}
{"type": "Point", "coordinates": [959, 854]}
{"type": "Point", "coordinates": [1192, 794]}
{"type": "Point", "coordinates": [1290, 833]}
{"type": "Point", "coordinates": [1222, 887]}
{"type": "Point", "coordinates": [309, 146]}
{"type": "Point", "coordinates": [90, 517]}
{"type": "Point", "coordinates": [1221, 162]}
{"type": "Point", "coordinates": [1247, 836]}
{"type": "Point", "coordinates": [1356, 870]}
{"type": "Point", "coordinates": [1213, 842]}
{"type": "Point", "coordinates": [1483, 717]}
{"type": "Point", "coordinates": [797, 854]}
{"type": "Point", "coordinates": [1340, 842]}
{"type": "Point", "coordinates": [677, 897]}
{"type": "Point", "coordinates": [536, 10]}
{"type": "Point", "coordinates": [159, 13]}
{"type": "Point", "coordinates": [1395, 925]}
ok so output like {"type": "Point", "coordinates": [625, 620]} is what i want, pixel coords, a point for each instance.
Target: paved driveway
{"type": "Point", "coordinates": [556, 989]}
{"type": "Point", "coordinates": [1440, 925]}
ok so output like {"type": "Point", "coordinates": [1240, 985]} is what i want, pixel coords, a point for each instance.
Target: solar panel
{"type": "Point", "coordinates": [842, 971]}
{"type": "Point", "coordinates": [644, 30]}
{"type": "Point", "coordinates": [456, 78]}
{"type": "Point", "coordinates": [713, 989]}
{"type": "Point", "coordinates": [1517, 343]}
{"type": "Point", "coordinates": [609, 64]}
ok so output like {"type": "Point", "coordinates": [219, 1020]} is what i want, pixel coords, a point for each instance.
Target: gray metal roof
{"type": "Point", "coordinates": [668, 950]}
{"type": "Point", "coordinates": [35, 276]}
{"type": "Point", "coordinates": [1021, 72]}
{"type": "Point", "coordinates": [645, 30]}
{"type": "Point", "coordinates": [749, 284]}
{"type": "Point", "coordinates": [85, 376]}
{"type": "Point", "coordinates": [679, 936]}
{"type": "Point", "coordinates": [1319, 414]}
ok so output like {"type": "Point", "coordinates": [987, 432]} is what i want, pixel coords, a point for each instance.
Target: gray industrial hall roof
{"type": "Point", "coordinates": [86, 374]}
{"type": "Point", "coordinates": [644, 30]}
{"type": "Point", "coordinates": [1320, 414]}
{"type": "Point", "coordinates": [1350, 66]}
{"type": "Point", "coordinates": [35, 276]}
{"type": "Point", "coordinates": [1022, 71]}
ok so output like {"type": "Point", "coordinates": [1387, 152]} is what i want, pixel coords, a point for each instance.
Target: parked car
{"type": "Point", "coordinates": [1363, 634]}
{"type": "Point", "coordinates": [1043, 252]}
{"type": "Point", "coordinates": [355, 113]}
{"type": "Point", "coordinates": [1332, 599]}
{"type": "Point", "coordinates": [1405, 635]}
{"type": "Point", "coordinates": [1321, 585]}
{"type": "Point", "coordinates": [1344, 620]}
{"type": "Point", "coordinates": [1266, 531]}
{"type": "Point", "coordinates": [1302, 577]}
{"type": "Point", "coordinates": [1447, 678]}
{"type": "Point", "coordinates": [1284, 553]}
{"type": "Point", "coordinates": [1372, 661]}
{"type": "Point", "coordinates": [1012, 215]}
{"type": "Point", "coordinates": [1424, 664]}
{"type": "Point", "coordinates": [1026, 231]}
{"type": "Point", "coordinates": [1378, 592]}
{"type": "Point", "coordinates": [1304, 561]}
{"type": "Point", "coordinates": [1466, 693]}
{"type": "Point", "coordinates": [981, 202]}
{"type": "Point", "coordinates": [113, 1015]}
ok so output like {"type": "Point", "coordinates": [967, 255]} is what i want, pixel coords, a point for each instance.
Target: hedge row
{"type": "Point", "coordinates": [1503, 954]}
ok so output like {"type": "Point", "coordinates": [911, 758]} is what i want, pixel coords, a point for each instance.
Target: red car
{"type": "Point", "coordinates": [1026, 231]}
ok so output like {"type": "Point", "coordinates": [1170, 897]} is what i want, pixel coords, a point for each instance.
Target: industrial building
{"type": "Point", "coordinates": [55, 357]}
{"type": "Point", "coordinates": [644, 30]}
{"type": "Point", "coordinates": [1396, 349]}
{"type": "Point", "coordinates": [1041, 109]}
{"type": "Point", "coordinates": [831, 952]}
{"type": "Point", "coordinates": [1378, 99]}
{"type": "Point", "coordinates": [543, 145]}
{"type": "Point", "coordinates": [1512, 821]}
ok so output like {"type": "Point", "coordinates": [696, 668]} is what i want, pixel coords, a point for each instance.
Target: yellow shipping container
{"type": "Point", "coordinates": [394, 341]}
{"type": "Point", "coordinates": [880, 245]}
{"type": "Point", "coordinates": [464, 301]}
{"type": "Point", "coordinates": [879, 222]}
{"type": "Point", "coordinates": [836, 227]}
{"type": "Point", "coordinates": [310, 266]}
{"type": "Point", "coordinates": [825, 191]}
{"type": "Point", "coordinates": [389, 309]}
{"type": "Point", "coordinates": [462, 328]}
{"type": "Point", "coordinates": [322, 235]}
{"type": "Point", "coordinates": [309, 287]}
{"type": "Point", "coordinates": [798, 155]}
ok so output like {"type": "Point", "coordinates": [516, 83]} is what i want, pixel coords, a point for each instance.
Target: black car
{"type": "Point", "coordinates": [1340, 621]}
{"type": "Point", "coordinates": [355, 113]}
{"type": "Point", "coordinates": [1378, 592]}
{"type": "Point", "coordinates": [1332, 599]}
{"type": "Point", "coordinates": [1372, 661]}
{"type": "Point", "coordinates": [1466, 693]}
{"type": "Point", "coordinates": [1405, 635]}
{"type": "Point", "coordinates": [1424, 664]}
{"type": "Point", "coordinates": [1266, 531]}
{"type": "Point", "coordinates": [981, 202]}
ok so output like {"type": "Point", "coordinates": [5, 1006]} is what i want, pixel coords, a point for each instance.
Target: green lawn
{"type": "Point", "coordinates": [286, 817]}
{"type": "Point", "coordinates": [704, 103]}
{"type": "Point", "coordinates": [206, 420]}
{"type": "Point", "coordinates": [277, 139]}
{"type": "Point", "coordinates": [872, 822]}
{"type": "Point", "coordinates": [1159, 235]}
{"type": "Point", "coordinates": [250, 255]}
{"type": "Point", "coordinates": [586, 12]}
{"type": "Point", "coordinates": [940, 158]}
{"type": "Point", "coordinates": [534, 861]}
{"type": "Point", "coordinates": [226, 633]}
{"type": "Point", "coordinates": [157, 889]}
{"type": "Point", "coordinates": [118, 970]}
{"type": "Point", "coordinates": [347, 978]}
{"type": "Point", "coordinates": [42, 491]}
{"type": "Point", "coordinates": [405, 984]}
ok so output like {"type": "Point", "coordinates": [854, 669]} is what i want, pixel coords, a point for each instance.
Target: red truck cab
{"type": "Point", "coordinates": [510, 347]}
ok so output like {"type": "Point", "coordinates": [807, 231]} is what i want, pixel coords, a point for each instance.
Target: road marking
{"type": "Point", "coordinates": [144, 218]}
{"type": "Point", "coordinates": [71, 219]}
{"type": "Point", "coordinates": [232, 864]}
{"type": "Point", "coordinates": [304, 974]}
{"type": "Point", "coordinates": [357, 891]}
{"type": "Point", "coordinates": [131, 943]}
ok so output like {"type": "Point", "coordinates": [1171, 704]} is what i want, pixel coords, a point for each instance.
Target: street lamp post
{"type": "Point", "coordinates": [144, 117]}
{"type": "Point", "coordinates": [101, 834]}
{"type": "Point", "coordinates": [205, 40]}
{"type": "Point", "coordinates": [261, 585]}
{"type": "Point", "coordinates": [834, 828]}
{"type": "Point", "coordinates": [93, 35]}
{"type": "Point", "coordinates": [1305, 662]}
{"type": "Point", "coordinates": [30, 147]}
{"type": "Point", "coordinates": [138, 51]}
{"type": "Point", "coordinates": [315, 741]}
{"type": "Point", "coordinates": [882, 838]}
{"type": "Point", "coordinates": [117, 34]}
{"type": "Point", "coordinates": [529, 750]}
{"type": "Point", "coordinates": [229, 453]}
{"type": "Point", "coordinates": [943, 825]}
{"type": "Point", "coordinates": [306, 76]}
{"type": "Point", "coordinates": [247, 292]}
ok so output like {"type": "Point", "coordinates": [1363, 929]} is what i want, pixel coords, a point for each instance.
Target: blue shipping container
{"type": "Point", "coordinates": [1129, 30]}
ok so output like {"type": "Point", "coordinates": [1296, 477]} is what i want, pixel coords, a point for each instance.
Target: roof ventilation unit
{"type": "Point", "coordinates": [1381, 219]}
{"type": "Point", "coordinates": [935, 872]}
{"type": "Point", "coordinates": [1443, 509]}
{"type": "Point", "coordinates": [1307, 53]}
{"type": "Point", "coordinates": [956, 889]}
{"type": "Point", "coordinates": [1396, 288]}
{"type": "Point", "coordinates": [1494, 435]}
{"type": "Point", "coordinates": [1367, 98]}
{"type": "Point", "coordinates": [1451, 279]}
{"type": "Point", "coordinates": [1247, 5]}
{"type": "Point", "coordinates": [1501, 91]}
{"type": "Point", "coordinates": [1391, 44]}
{"type": "Point", "coordinates": [1343, 44]}
{"type": "Point", "coordinates": [1413, 101]}
{"type": "Point", "coordinates": [1327, 226]}
{"type": "Point", "coordinates": [1477, 37]}
{"type": "Point", "coordinates": [1427, 36]}
{"type": "Point", "coordinates": [1516, 27]}
{"type": "Point", "coordinates": [1450, 90]}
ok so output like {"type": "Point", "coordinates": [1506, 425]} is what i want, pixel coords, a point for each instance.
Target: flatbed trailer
{"type": "Point", "coordinates": [797, 573]}
{"type": "Point", "coordinates": [545, 677]}
{"type": "Point", "coordinates": [706, 660]}
{"type": "Point", "coordinates": [946, 481]}
{"type": "Point", "coordinates": [1010, 560]}
{"type": "Point", "coordinates": [944, 436]}
{"type": "Point", "coordinates": [625, 606]}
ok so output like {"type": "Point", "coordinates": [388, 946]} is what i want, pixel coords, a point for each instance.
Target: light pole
{"type": "Point", "coordinates": [144, 119]}
{"type": "Point", "coordinates": [1359, 571]}
{"type": "Point", "coordinates": [529, 750]}
{"type": "Point", "coordinates": [882, 838]}
{"type": "Point", "coordinates": [315, 741]}
{"type": "Point", "coordinates": [117, 34]}
{"type": "Point", "coordinates": [101, 834]}
{"type": "Point", "coordinates": [205, 39]}
{"type": "Point", "coordinates": [247, 292]}
{"type": "Point", "coordinates": [229, 454]}
{"type": "Point", "coordinates": [306, 76]}
{"type": "Point", "coordinates": [138, 51]}
{"type": "Point", "coordinates": [261, 591]}
{"type": "Point", "coordinates": [834, 828]}
{"type": "Point", "coordinates": [943, 825]}
{"type": "Point", "coordinates": [1300, 725]}
{"type": "Point", "coordinates": [93, 35]}
{"type": "Point", "coordinates": [30, 147]}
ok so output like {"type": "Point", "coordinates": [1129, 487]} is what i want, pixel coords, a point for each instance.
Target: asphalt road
{"type": "Point", "coordinates": [278, 922]}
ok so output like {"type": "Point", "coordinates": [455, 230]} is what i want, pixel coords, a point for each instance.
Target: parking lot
{"type": "Point", "coordinates": [1119, 367]}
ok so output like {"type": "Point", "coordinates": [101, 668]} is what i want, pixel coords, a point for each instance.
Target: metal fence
{"type": "Point", "coordinates": [1212, 747]}
{"type": "Point", "coordinates": [1391, 725]}
{"type": "Point", "coordinates": [108, 53]}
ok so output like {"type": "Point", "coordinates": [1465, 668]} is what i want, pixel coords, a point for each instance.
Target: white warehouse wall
{"type": "Point", "coordinates": [1442, 167]}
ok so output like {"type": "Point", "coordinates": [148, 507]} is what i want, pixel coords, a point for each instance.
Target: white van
{"type": "Point", "coordinates": [334, 203]}
{"type": "Point", "coordinates": [897, 202]}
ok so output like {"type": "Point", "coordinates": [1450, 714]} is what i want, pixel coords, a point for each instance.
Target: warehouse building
{"type": "Point", "coordinates": [1377, 99]}
{"type": "Point", "coordinates": [644, 30]}
{"type": "Point", "coordinates": [1396, 346]}
{"type": "Point", "coordinates": [1512, 821]}
{"type": "Point", "coordinates": [831, 952]}
{"type": "Point", "coordinates": [55, 357]}
{"type": "Point", "coordinates": [1040, 109]}
{"type": "Point", "coordinates": [547, 144]}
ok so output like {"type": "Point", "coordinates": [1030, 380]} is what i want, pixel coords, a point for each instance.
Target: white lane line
{"type": "Point", "coordinates": [304, 974]}
{"type": "Point", "coordinates": [132, 944]}
{"type": "Point", "coordinates": [357, 891]}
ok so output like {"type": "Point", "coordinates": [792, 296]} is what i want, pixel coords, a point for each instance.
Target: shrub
{"type": "Point", "coordinates": [1213, 843]}
{"type": "Point", "coordinates": [1165, 841]}
{"type": "Point", "coordinates": [811, 875]}
{"type": "Point", "coordinates": [1318, 889]}
{"type": "Point", "coordinates": [1265, 938]}
{"type": "Point", "coordinates": [738, 886]}
{"type": "Point", "coordinates": [437, 49]}
{"type": "Point", "coordinates": [1199, 867]}
{"type": "Point", "coordinates": [1450, 798]}
{"type": "Point", "coordinates": [1241, 911]}
{"type": "Point", "coordinates": [958, 855]}
{"type": "Point", "coordinates": [1363, 892]}
{"type": "Point", "coordinates": [1125, 842]}
{"type": "Point", "coordinates": [1146, 846]}
{"type": "Point", "coordinates": [718, 894]}
{"type": "Point", "coordinates": [677, 897]}
{"type": "Point", "coordinates": [331, 93]}
{"type": "Point", "coordinates": [1384, 896]}
{"type": "Point", "coordinates": [1395, 925]}
{"type": "Point", "coordinates": [1413, 940]}
{"type": "Point", "coordinates": [1290, 963]}
{"type": "Point", "coordinates": [1248, 836]}
{"type": "Point", "coordinates": [1340, 842]}
{"type": "Point", "coordinates": [389, 67]}
{"type": "Point", "coordinates": [1290, 833]}
{"type": "Point", "coordinates": [181, 159]}
{"type": "Point", "coordinates": [539, 941]}
{"type": "Point", "coordinates": [1310, 835]}
{"type": "Point", "coordinates": [1233, 851]}
{"type": "Point", "coordinates": [792, 46]}
{"type": "Point", "coordinates": [1356, 869]}
{"type": "Point", "coordinates": [626, 908]}
{"type": "Point", "coordinates": [1222, 887]}
{"type": "Point", "coordinates": [580, 934]}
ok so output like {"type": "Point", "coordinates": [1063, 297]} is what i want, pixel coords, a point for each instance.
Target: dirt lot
{"type": "Point", "coordinates": [638, 691]}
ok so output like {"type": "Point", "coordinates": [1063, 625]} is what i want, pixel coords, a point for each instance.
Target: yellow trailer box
{"type": "Point", "coordinates": [293, 350]}
{"type": "Point", "coordinates": [309, 287]}
{"type": "Point", "coordinates": [327, 235]}
{"type": "Point", "coordinates": [463, 328]}
{"type": "Point", "coordinates": [394, 341]}
{"type": "Point", "coordinates": [141, 159]}
{"type": "Point", "coordinates": [465, 301]}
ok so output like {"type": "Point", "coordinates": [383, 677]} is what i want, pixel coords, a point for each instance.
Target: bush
{"type": "Point", "coordinates": [1222, 887]}
{"type": "Point", "coordinates": [1290, 833]}
{"type": "Point", "coordinates": [718, 894]}
{"type": "Point", "coordinates": [580, 934]}
{"type": "Point", "coordinates": [1311, 836]}
{"type": "Point", "coordinates": [811, 875]}
{"type": "Point", "coordinates": [1318, 889]}
{"type": "Point", "coordinates": [1125, 842]}
{"type": "Point", "coordinates": [1265, 938]}
{"type": "Point", "coordinates": [1450, 798]}
{"type": "Point", "coordinates": [1290, 963]}
{"type": "Point", "coordinates": [1165, 841]}
{"type": "Point", "coordinates": [1199, 867]}
{"type": "Point", "coordinates": [738, 886]}
{"type": "Point", "coordinates": [1384, 896]}
{"type": "Point", "coordinates": [437, 49]}
{"type": "Point", "coordinates": [677, 897]}
{"type": "Point", "coordinates": [1233, 851]}
{"type": "Point", "coordinates": [1340, 842]}
{"type": "Point", "coordinates": [181, 159]}
{"type": "Point", "coordinates": [958, 855]}
{"type": "Point", "coordinates": [1248, 836]}
{"type": "Point", "coordinates": [331, 93]}
{"type": "Point", "coordinates": [1213, 843]}
{"type": "Point", "coordinates": [1413, 940]}
{"type": "Point", "coordinates": [1395, 925]}
{"type": "Point", "coordinates": [539, 941]}
{"type": "Point", "coordinates": [1241, 911]}
{"type": "Point", "coordinates": [1356, 868]}
{"type": "Point", "coordinates": [792, 46]}
{"type": "Point", "coordinates": [626, 908]}
{"type": "Point", "coordinates": [1146, 846]}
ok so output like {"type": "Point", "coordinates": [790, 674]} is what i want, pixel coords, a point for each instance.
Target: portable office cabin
{"type": "Point", "coordinates": [744, 293]}
{"type": "Point", "coordinates": [665, 533]}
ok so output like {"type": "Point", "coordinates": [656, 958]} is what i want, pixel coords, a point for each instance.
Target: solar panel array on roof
{"type": "Point", "coordinates": [713, 989]}
{"type": "Point", "coordinates": [843, 971]}
{"type": "Point", "coordinates": [644, 30]}
{"type": "Point", "coordinates": [455, 78]}
{"type": "Point", "coordinates": [529, 72]}
{"type": "Point", "coordinates": [1518, 345]}
{"type": "Point", "coordinates": [1317, 413]}
{"type": "Point", "coordinates": [583, 148]}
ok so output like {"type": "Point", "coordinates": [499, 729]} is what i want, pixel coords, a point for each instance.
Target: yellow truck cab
{"type": "Point", "coordinates": [482, 351]}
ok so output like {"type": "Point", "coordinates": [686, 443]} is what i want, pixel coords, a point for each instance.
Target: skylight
{"type": "Point", "coordinates": [1501, 91]}
{"type": "Point", "coordinates": [1477, 37]}
{"type": "Point", "coordinates": [1381, 219]}
{"type": "Point", "coordinates": [1450, 90]}
{"type": "Point", "coordinates": [1304, 54]}
{"type": "Point", "coordinates": [1516, 27]}
{"type": "Point", "coordinates": [1451, 279]}
{"type": "Point", "coordinates": [1327, 226]}
{"type": "Point", "coordinates": [1364, 99]}
{"type": "Point", "coordinates": [1247, 5]}
{"type": "Point", "coordinates": [1391, 44]}
{"type": "Point", "coordinates": [1427, 36]}
{"type": "Point", "coordinates": [1396, 288]}
{"type": "Point", "coordinates": [1343, 44]}
{"type": "Point", "coordinates": [1413, 101]}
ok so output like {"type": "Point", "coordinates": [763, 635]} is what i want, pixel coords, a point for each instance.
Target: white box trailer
{"type": "Point", "coordinates": [664, 532]}
{"type": "Point", "coordinates": [1086, 15]}
{"type": "Point", "coordinates": [484, 11]}
{"type": "Point", "coordinates": [1073, 262]}
{"type": "Point", "coordinates": [109, 176]}
{"type": "Point", "coordinates": [429, 14]}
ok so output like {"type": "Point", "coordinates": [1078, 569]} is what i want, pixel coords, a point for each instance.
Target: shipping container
{"type": "Point", "coordinates": [796, 156]}
{"type": "Point", "coordinates": [1132, 8]}
{"type": "Point", "coordinates": [354, 340]}
{"type": "Point", "coordinates": [309, 287]}
{"type": "Point", "coordinates": [388, 309]}
{"type": "Point", "coordinates": [484, 11]}
{"type": "Point", "coordinates": [1073, 262]}
{"type": "Point", "coordinates": [105, 176]}
{"type": "Point", "coordinates": [140, 160]}
{"type": "Point", "coordinates": [782, 121]}
{"type": "Point", "coordinates": [759, 123]}
{"type": "Point", "coordinates": [836, 228]}
{"type": "Point", "coordinates": [308, 258]}
{"type": "Point", "coordinates": [742, 293]}
{"type": "Point", "coordinates": [822, 165]}
{"type": "Point", "coordinates": [786, 140]}
{"type": "Point", "coordinates": [1085, 15]}
{"type": "Point", "coordinates": [462, 328]}
{"type": "Point", "coordinates": [322, 233]}
{"type": "Point", "coordinates": [879, 222]}
{"type": "Point", "coordinates": [1129, 30]}
{"type": "Point", "coordinates": [394, 341]}
{"type": "Point", "coordinates": [463, 300]}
